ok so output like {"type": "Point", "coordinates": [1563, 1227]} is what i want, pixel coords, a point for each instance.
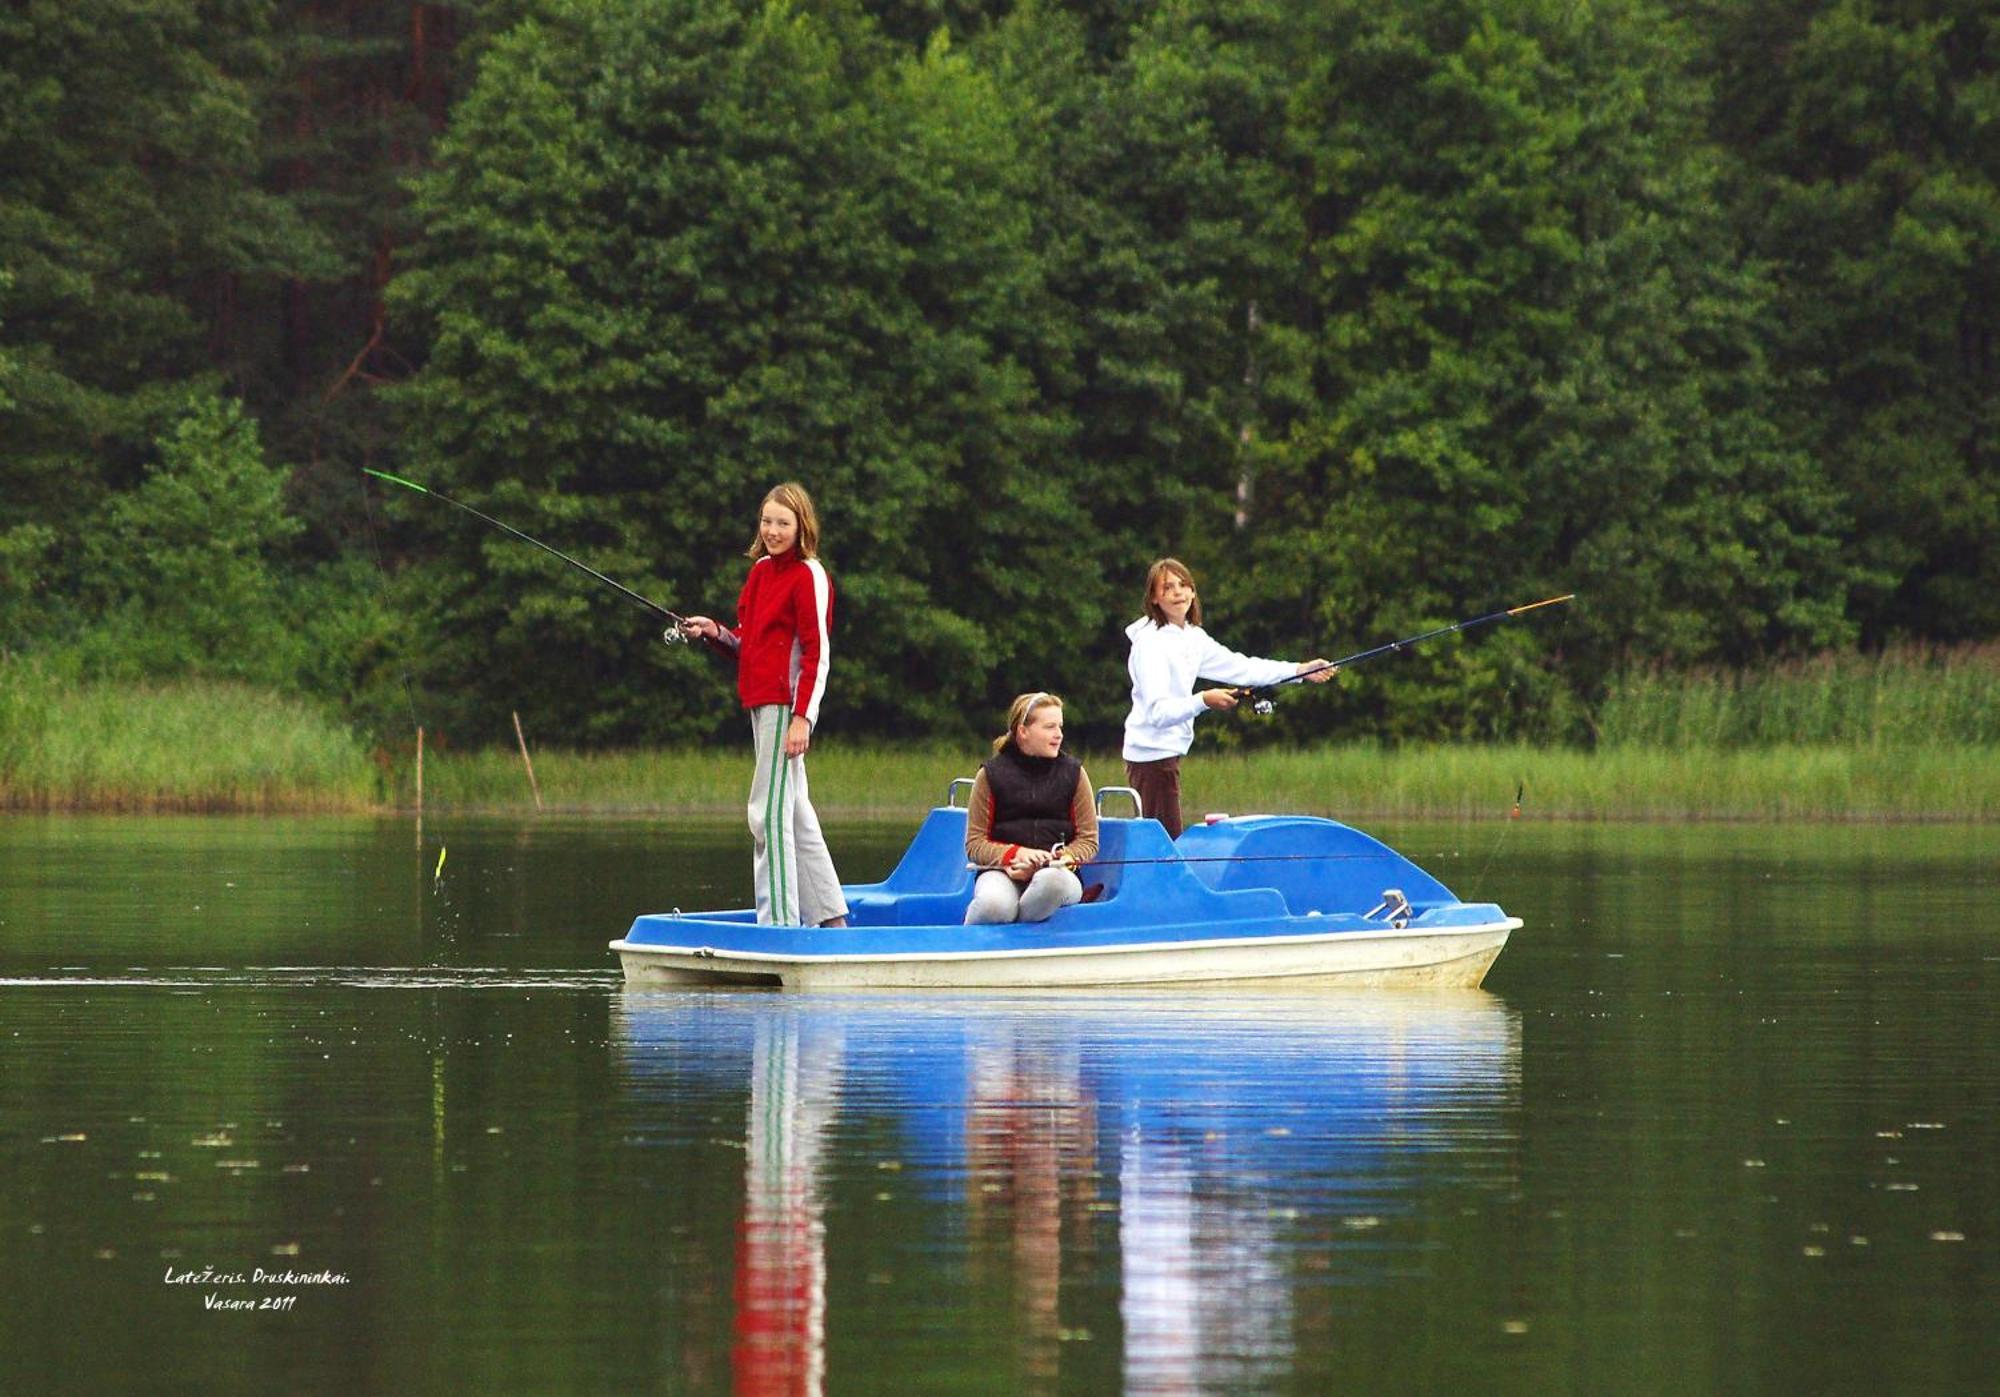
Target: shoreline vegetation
{"type": "Point", "coordinates": [1904, 736]}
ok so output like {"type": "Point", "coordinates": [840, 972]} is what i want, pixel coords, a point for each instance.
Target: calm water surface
{"type": "Point", "coordinates": [1725, 1119]}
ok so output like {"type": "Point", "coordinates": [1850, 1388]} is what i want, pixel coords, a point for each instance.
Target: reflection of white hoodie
{"type": "Point", "coordinates": [1166, 660]}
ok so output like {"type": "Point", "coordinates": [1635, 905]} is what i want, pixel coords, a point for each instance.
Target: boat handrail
{"type": "Point", "coordinates": [1138, 809]}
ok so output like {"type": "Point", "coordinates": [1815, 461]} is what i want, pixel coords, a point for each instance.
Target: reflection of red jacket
{"type": "Point", "coordinates": [784, 619]}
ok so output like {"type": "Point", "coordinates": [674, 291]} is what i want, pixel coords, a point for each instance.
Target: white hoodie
{"type": "Point", "coordinates": [1166, 660]}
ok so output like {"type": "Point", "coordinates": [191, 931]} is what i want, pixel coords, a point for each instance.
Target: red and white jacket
{"type": "Point", "coordinates": [784, 622]}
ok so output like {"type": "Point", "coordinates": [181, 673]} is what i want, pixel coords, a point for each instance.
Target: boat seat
{"type": "Point", "coordinates": [935, 860]}
{"type": "Point", "coordinates": [932, 872]}
{"type": "Point", "coordinates": [1119, 842]}
{"type": "Point", "coordinates": [1318, 865]}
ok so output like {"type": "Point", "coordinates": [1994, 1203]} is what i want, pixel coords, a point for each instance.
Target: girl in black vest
{"type": "Point", "coordinates": [1032, 820]}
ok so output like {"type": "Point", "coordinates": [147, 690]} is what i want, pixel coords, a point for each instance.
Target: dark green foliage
{"type": "Point", "coordinates": [1538, 365]}
{"type": "Point", "coordinates": [349, 107]}
{"type": "Point", "coordinates": [1870, 139]}
{"type": "Point", "coordinates": [1380, 316]}
{"type": "Point", "coordinates": [188, 574]}
{"type": "Point", "coordinates": [1172, 258]}
{"type": "Point", "coordinates": [679, 254]}
{"type": "Point", "coordinates": [128, 142]}
{"type": "Point", "coordinates": [181, 569]}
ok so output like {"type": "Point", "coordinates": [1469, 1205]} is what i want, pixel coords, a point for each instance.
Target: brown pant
{"type": "Point", "coordinates": [1159, 787]}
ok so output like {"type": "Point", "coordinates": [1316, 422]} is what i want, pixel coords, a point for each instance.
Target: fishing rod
{"type": "Point", "coordinates": [674, 634]}
{"type": "Point", "coordinates": [1200, 858]}
{"type": "Point", "coordinates": [1260, 692]}
{"type": "Point", "coordinates": [1230, 858]}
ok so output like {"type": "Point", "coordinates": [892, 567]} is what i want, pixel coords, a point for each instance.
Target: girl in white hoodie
{"type": "Point", "coordinates": [1170, 651]}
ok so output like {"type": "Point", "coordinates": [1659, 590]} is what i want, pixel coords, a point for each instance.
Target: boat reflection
{"type": "Point", "coordinates": [1174, 1168]}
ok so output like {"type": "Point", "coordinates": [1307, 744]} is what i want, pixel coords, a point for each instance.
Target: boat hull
{"type": "Point", "coordinates": [1441, 958]}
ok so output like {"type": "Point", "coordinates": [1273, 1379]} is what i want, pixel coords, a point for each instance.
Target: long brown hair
{"type": "Point", "coordinates": [792, 496]}
{"type": "Point", "coordinates": [1153, 575]}
{"type": "Point", "coordinates": [1020, 711]}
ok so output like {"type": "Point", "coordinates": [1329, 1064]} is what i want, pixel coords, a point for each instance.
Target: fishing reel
{"type": "Point", "coordinates": [674, 635]}
{"type": "Point", "coordinates": [1262, 707]}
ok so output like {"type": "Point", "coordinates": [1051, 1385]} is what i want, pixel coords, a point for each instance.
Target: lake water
{"type": "Point", "coordinates": [1726, 1118]}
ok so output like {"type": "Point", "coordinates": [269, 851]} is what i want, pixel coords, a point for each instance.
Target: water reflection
{"type": "Point", "coordinates": [780, 1294]}
{"type": "Point", "coordinates": [1031, 1158]}
{"type": "Point", "coordinates": [1204, 1159]}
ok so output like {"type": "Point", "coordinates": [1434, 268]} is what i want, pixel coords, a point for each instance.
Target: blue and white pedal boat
{"type": "Point", "coordinates": [1264, 898]}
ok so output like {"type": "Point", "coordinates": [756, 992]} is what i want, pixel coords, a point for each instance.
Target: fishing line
{"type": "Point", "coordinates": [382, 582]}
{"type": "Point", "coordinates": [1520, 782]}
{"type": "Point", "coordinates": [1520, 790]}
{"type": "Point", "coordinates": [1210, 858]}
{"type": "Point", "coordinates": [403, 669]}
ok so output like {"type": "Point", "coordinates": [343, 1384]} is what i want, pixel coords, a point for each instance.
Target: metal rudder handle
{"type": "Point", "coordinates": [1394, 906]}
{"type": "Point", "coordinates": [1138, 808]}
{"type": "Point", "coordinates": [951, 792]}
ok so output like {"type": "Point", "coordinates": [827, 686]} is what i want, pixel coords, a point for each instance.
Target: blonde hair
{"type": "Point", "coordinates": [1163, 568]}
{"type": "Point", "coordinates": [792, 496]}
{"type": "Point", "coordinates": [1022, 711]}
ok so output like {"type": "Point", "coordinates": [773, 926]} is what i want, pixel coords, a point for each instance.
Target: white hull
{"type": "Point", "coordinates": [1447, 958]}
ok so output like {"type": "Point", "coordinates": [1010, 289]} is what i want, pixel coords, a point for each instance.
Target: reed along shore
{"type": "Point", "coordinates": [1354, 783]}
{"type": "Point", "coordinates": [202, 745]}
{"type": "Point", "coordinates": [1898, 737]}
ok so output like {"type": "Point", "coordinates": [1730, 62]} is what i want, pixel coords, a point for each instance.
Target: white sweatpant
{"type": "Point", "coordinates": [793, 870]}
{"type": "Point", "coordinates": [998, 898]}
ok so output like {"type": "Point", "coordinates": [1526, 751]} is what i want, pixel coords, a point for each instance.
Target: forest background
{"type": "Point", "coordinates": [1379, 316]}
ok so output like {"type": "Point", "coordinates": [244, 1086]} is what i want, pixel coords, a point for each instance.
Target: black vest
{"type": "Point", "coordinates": [1031, 798]}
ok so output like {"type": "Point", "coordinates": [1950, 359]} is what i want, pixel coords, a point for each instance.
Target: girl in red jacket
{"type": "Point", "coordinates": [784, 618]}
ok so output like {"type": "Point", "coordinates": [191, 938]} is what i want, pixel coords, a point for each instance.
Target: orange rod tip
{"type": "Point", "coordinates": [1551, 601]}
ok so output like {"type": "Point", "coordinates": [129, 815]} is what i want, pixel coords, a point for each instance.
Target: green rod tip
{"type": "Point", "coordinates": [394, 479]}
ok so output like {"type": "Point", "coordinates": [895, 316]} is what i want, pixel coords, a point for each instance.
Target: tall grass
{"type": "Point", "coordinates": [196, 745]}
{"type": "Point", "coordinates": [1463, 781]}
{"type": "Point", "coordinates": [1901, 698]}
{"type": "Point", "coordinates": [1910, 735]}
{"type": "Point", "coordinates": [1348, 782]}
{"type": "Point", "coordinates": [844, 777]}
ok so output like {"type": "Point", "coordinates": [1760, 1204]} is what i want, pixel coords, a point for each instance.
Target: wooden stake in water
{"type": "Point", "coordinates": [527, 761]}
{"type": "Point", "coordinates": [420, 788]}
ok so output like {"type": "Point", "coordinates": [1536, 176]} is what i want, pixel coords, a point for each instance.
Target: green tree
{"type": "Point", "coordinates": [127, 136]}
{"type": "Point", "coordinates": [676, 253]}
{"type": "Point", "coordinates": [349, 106]}
{"type": "Point", "coordinates": [1172, 249]}
{"type": "Point", "coordinates": [1540, 364]}
{"type": "Point", "coordinates": [27, 552]}
{"type": "Point", "coordinates": [180, 573]}
{"type": "Point", "coordinates": [8, 365]}
{"type": "Point", "coordinates": [1869, 137]}
{"type": "Point", "coordinates": [24, 549]}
